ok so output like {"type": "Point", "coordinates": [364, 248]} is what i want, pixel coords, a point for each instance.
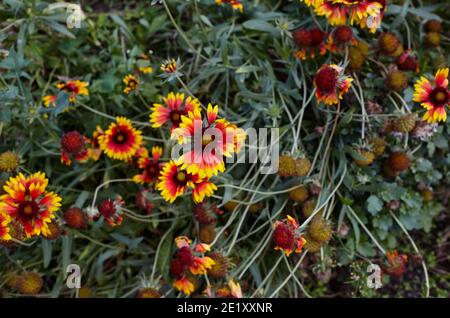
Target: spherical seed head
{"type": "Point", "coordinates": [388, 43]}
{"type": "Point", "coordinates": [30, 283]}
{"type": "Point", "coordinates": [397, 80]}
{"type": "Point", "coordinates": [220, 268]}
{"type": "Point", "coordinates": [205, 213]}
{"type": "Point", "coordinates": [9, 161]}
{"type": "Point", "coordinates": [256, 207]}
{"type": "Point", "coordinates": [286, 166]}
{"type": "Point", "coordinates": [407, 62]}
{"type": "Point", "coordinates": [320, 230]}
{"type": "Point", "coordinates": [405, 124]}
{"type": "Point", "coordinates": [399, 161]}
{"type": "Point", "coordinates": [311, 245]}
{"type": "Point", "coordinates": [378, 146]}
{"type": "Point", "coordinates": [343, 34]}
{"type": "Point", "coordinates": [368, 156]}
{"type": "Point", "coordinates": [363, 48]}
{"type": "Point", "coordinates": [284, 236]}
{"type": "Point", "coordinates": [326, 80]}
{"type": "Point", "coordinates": [308, 207]}
{"type": "Point", "coordinates": [302, 38]}
{"type": "Point", "coordinates": [317, 36]}
{"type": "Point", "coordinates": [207, 234]}
{"type": "Point", "coordinates": [433, 39]}
{"type": "Point", "coordinates": [148, 293]}
{"type": "Point", "coordinates": [388, 171]}
{"type": "Point", "coordinates": [107, 208]}
{"type": "Point", "coordinates": [72, 142]}
{"type": "Point", "coordinates": [75, 218]}
{"type": "Point", "coordinates": [230, 205]}
{"type": "Point", "coordinates": [356, 58]}
{"type": "Point", "coordinates": [302, 166]}
{"type": "Point", "coordinates": [299, 194]}
{"type": "Point", "coordinates": [433, 26]}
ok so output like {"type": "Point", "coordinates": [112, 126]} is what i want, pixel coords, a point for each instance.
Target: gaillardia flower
{"type": "Point", "coordinates": [121, 140]}
{"type": "Point", "coordinates": [366, 13]}
{"type": "Point", "coordinates": [308, 42]}
{"type": "Point", "coordinates": [27, 201]}
{"type": "Point", "coordinates": [435, 98]}
{"type": "Point", "coordinates": [131, 83]}
{"type": "Point", "coordinates": [174, 181]}
{"type": "Point", "coordinates": [286, 238]}
{"type": "Point", "coordinates": [73, 146]}
{"type": "Point", "coordinates": [150, 166]}
{"type": "Point", "coordinates": [331, 84]}
{"type": "Point", "coordinates": [207, 142]}
{"type": "Point", "coordinates": [188, 260]}
{"type": "Point", "coordinates": [74, 88]}
{"type": "Point", "coordinates": [235, 4]}
{"type": "Point", "coordinates": [169, 66]}
{"type": "Point", "coordinates": [397, 263]}
{"type": "Point", "coordinates": [175, 106]}
{"type": "Point", "coordinates": [112, 211]}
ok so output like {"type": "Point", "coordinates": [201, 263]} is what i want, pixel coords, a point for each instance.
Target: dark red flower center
{"type": "Point", "coordinates": [302, 38]}
{"type": "Point", "coordinates": [71, 88]}
{"type": "Point", "coordinates": [72, 142]}
{"type": "Point", "coordinates": [326, 80]}
{"type": "Point", "coordinates": [317, 37]}
{"type": "Point", "coordinates": [175, 117]}
{"type": "Point", "coordinates": [185, 255]}
{"type": "Point", "coordinates": [120, 137]}
{"type": "Point", "coordinates": [440, 96]}
{"type": "Point", "coordinates": [343, 34]}
{"type": "Point", "coordinates": [153, 169]}
{"type": "Point", "coordinates": [284, 236]}
{"type": "Point", "coordinates": [28, 209]}
{"type": "Point", "coordinates": [107, 208]}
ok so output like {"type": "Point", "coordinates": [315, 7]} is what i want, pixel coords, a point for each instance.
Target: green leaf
{"type": "Point", "coordinates": [46, 252]}
{"type": "Point", "coordinates": [374, 204]}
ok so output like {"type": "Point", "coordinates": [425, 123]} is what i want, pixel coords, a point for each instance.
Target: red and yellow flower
{"type": "Point", "coordinates": [365, 13]}
{"type": "Point", "coordinates": [308, 42]}
{"type": "Point", "coordinates": [331, 84]}
{"type": "Point", "coordinates": [73, 146]}
{"type": "Point", "coordinates": [27, 202]}
{"type": "Point", "coordinates": [174, 181]}
{"type": "Point", "coordinates": [208, 141]}
{"type": "Point", "coordinates": [397, 263]}
{"type": "Point", "coordinates": [121, 140]}
{"type": "Point", "coordinates": [169, 66]}
{"type": "Point", "coordinates": [175, 106]}
{"type": "Point", "coordinates": [131, 83]}
{"type": "Point", "coordinates": [74, 88]}
{"type": "Point", "coordinates": [150, 166]}
{"type": "Point", "coordinates": [434, 98]}
{"type": "Point", "coordinates": [286, 238]}
{"type": "Point", "coordinates": [235, 4]}
{"type": "Point", "coordinates": [188, 260]}
{"type": "Point", "coordinates": [112, 211]}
